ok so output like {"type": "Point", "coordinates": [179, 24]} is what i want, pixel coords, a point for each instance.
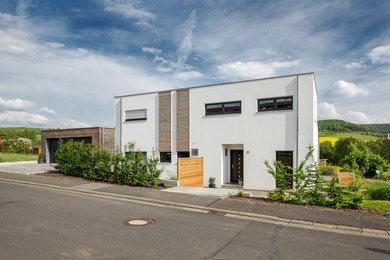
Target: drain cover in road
{"type": "Point", "coordinates": [138, 221]}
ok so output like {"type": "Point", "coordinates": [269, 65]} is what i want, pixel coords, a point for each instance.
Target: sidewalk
{"type": "Point", "coordinates": [286, 211]}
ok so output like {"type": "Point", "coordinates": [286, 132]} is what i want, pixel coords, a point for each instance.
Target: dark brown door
{"type": "Point", "coordinates": [236, 165]}
{"type": "Point", "coordinates": [286, 158]}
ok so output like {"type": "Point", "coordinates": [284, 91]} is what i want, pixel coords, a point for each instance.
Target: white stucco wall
{"type": "Point", "coordinates": [258, 134]}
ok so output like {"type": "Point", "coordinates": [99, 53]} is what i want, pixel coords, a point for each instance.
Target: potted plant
{"type": "Point", "coordinates": [40, 158]}
{"type": "Point", "coordinates": [211, 182]}
{"type": "Point", "coordinates": [240, 181]}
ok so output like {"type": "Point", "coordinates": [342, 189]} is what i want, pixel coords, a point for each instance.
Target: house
{"type": "Point", "coordinates": [235, 126]}
{"type": "Point", "coordinates": [100, 136]}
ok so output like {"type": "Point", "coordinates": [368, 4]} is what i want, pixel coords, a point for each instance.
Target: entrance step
{"type": "Point", "coordinates": [231, 186]}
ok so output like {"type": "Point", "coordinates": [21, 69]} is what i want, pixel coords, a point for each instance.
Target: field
{"type": "Point", "coordinates": [15, 157]}
{"type": "Point", "coordinates": [336, 136]}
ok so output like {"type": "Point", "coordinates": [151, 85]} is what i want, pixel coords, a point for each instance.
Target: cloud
{"type": "Point", "coordinates": [70, 123]}
{"type": "Point", "coordinates": [186, 75]}
{"type": "Point", "coordinates": [47, 110]}
{"type": "Point", "coordinates": [22, 117]}
{"type": "Point", "coordinates": [252, 69]}
{"type": "Point", "coordinates": [354, 65]}
{"type": "Point", "coordinates": [357, 117]}
{"type": "Point", "coordinates": [181, 70]}
{"type": "Point", "coordinates": [380, 54]}
{"type": "Point", "coordinates": [327, 111]}
{"type": "Point", "coordinates": [127, 9]}
{"type": "Point", "coordinates": [151, 50]}
{"type": "Point", "coordinates": [343, 89]}
{"type": "Point", "coordinates": [16, 103]}
{"type": "Point", "coordinates": [185, 47]}
{"type": "Point", "coordinates": [55, 44]}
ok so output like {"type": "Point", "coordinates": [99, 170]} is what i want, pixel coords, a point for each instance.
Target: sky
{"type": "Point", "coordinates": [62, 62]}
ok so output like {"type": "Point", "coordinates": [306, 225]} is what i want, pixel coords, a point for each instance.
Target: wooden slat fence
{"type": "Point", "coordinates": [190, 172]}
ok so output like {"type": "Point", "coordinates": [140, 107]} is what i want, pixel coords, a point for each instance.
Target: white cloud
{"type": "Point", "coordinates": [47, 110]}
{"type": "Point", "coordinates": [343, 89]}
{"type": "Point", "coordinates": [186, 75]}
{"type": "Point", "coordinates": [55, 44]}
{"type": "Point", "coordinates": [151, 50]}
{"type": "Point", "coordinates": [357, 117]}
{"type": "Point", "coordinates": [380, 54]}
{"type": "Point", "coordinates": [22, 117]}
{"type": "Point", "coordinates": [327, 111]}
{"type": "Point", "coordinates": [252, 69]}
{"type": "Point", "coordinates": [70, 123]}
{"type": "Point", "coordinates": [16, 103]}
{"type": "Point", "coordinates": [185, 47]}
{"type": "Point", "coordinates": [354, 65]}
{"type": "Point", "coordinates": [127, 9]}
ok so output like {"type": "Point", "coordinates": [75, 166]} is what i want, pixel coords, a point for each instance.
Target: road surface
{"type": "Point", "coordinates": [40, 223]}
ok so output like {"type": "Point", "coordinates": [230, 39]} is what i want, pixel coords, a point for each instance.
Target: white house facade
{"type": "Point", "coordinates": [235, 126]}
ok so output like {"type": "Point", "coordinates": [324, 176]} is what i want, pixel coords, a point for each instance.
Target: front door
{"type": "Point", "coordinates": [236, 165]}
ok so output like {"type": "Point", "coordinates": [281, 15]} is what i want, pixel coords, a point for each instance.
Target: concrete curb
{"type": "Point", "coordinates": [229, 213]}
{"type": "Point", "coordinates": [18, 163]}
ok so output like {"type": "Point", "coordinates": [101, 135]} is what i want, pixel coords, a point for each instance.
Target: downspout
{"type": "Point", "coordinates": [296, 155]}
{"type": "Point", "coordinates": [120, 125]}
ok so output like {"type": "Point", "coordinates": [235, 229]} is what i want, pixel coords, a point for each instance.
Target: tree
{"type": "Point", "coordinates": [327, 151]}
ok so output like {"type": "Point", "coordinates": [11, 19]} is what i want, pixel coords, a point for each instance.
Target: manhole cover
{"type": "Point", "coordinates": [138, 221]}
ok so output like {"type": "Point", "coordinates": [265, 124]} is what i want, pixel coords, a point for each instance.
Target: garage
{"type": "Point", "coordinates": [100, 136]}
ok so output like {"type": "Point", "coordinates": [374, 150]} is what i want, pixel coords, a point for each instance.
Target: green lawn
{"type": "Point", "coordinates": [382, 205]}
{"type": "Point", "coordinates": [345, 135]}
{"type": "Point", "coordinates": [15, 157]}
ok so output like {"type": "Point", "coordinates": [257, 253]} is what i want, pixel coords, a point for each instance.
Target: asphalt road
{"type": "Point", "coordinates": [39, 223]}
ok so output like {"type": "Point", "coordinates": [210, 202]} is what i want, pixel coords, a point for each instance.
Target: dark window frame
{"type": "Point", "coordinates": [183, 154]}
{"type": "Point", "coordinates": [167, 158]}
{"type": "Point", "coordinates": [223, 112]}
{"type": "Point", "coordinates": [139, 118]}
{"type": "Point", "coordinates": [275, 107]}
{"type": "Point", "coordinates": [290, 183]}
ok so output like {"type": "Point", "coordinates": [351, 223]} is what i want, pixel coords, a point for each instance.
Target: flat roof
{"type": "Point", "coordinates": [217, 84]}
{"type": "Point", "coordinates": [65, 129]}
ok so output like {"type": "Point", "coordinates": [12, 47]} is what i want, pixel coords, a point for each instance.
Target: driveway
{"type": "Point", "coordinates": [26, 167]}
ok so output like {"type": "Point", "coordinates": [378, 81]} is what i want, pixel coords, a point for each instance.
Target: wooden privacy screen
{"type": "Point", "coordinates": [346, 177]}
{"type": "Point", "coordinates": [190, 172]}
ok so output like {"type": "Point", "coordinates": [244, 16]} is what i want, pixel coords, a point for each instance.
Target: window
{"type": "Point", "coordinates": [139, 114]}
{"type": "Point", "coordinates": [183, 154]}
{"type": "Point", "coordinates": [223, 108]}
{"type": "Point", "coordinates": [281, 103]}
{"type": "Point", "coordinates": [143, 154]}
{"type": "Point", "coordinates": [286, 158]}
{"type": "Point", "coordinates": [165, 157]}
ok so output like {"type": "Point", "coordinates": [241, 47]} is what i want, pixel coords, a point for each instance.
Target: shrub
{"type": "Point", "coordinates": [240, 194]}
{"type": "Point", "coordinates": [85, 160]}
{"type": "Point", "coordinates": [310, 187]}
{"type": "Point", "coordinates": [379, 191]}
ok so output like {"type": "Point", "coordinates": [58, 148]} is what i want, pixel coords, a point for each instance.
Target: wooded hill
{"type": "Point", "coordinates": [336, 125]}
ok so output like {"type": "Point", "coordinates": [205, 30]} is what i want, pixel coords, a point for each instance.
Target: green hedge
{"type": "Point", "coordinates": [379, 191]}
{"type": "Point", "coordinates": [85, 160]}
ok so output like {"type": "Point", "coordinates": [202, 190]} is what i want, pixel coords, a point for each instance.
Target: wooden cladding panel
{"type": "Point", "coordinates": [190, 172]}
{"type": "Point", "coordinates": [164, 122]}
{"type": "Point", "coordinates": [183, 120]}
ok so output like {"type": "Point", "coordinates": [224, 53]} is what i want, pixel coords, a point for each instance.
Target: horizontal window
{"type": "Point", "coordinates": [139, 114]}
{"type": "Point", "coordinates": [280, 103]}
{"type": "Point", "coordinates": [223, 108]}
{"type": "Point", "coordinates": [183, 154]}
{"type": "Point", "coordinates": [165, 157]}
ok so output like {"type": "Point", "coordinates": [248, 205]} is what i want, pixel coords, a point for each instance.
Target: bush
{"type": "Point", "coordinates": [379, 191]}
{"type": "Point", "coordinates": [310, 187]}
{"type": "Point", "coordinates": [85, 160]}
{"type": "Point", "coordinates": [19, 145]}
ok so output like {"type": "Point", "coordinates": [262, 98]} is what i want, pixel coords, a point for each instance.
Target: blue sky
{"type": "Point", "coordinates": [62, 62]}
